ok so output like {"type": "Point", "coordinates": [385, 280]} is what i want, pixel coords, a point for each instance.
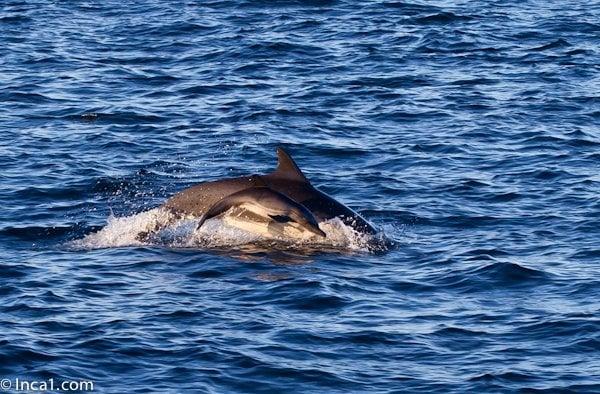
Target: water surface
{"type": "Point", "coordinates": [466, 131]}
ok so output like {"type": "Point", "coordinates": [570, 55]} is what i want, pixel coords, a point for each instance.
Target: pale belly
{"type": "Point", "coordinates": [256, 221]}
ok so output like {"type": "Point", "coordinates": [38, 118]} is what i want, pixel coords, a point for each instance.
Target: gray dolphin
{"type": "Point", "coordinates": [283, 195]}
{"type": "Point", "coordinates": [270, 204]}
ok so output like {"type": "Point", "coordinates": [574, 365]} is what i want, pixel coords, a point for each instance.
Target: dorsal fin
{"type": "Point", "coordinates": [287, 168]}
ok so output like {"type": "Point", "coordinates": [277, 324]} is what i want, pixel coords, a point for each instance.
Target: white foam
{"type": "Point", "coordinates": [215, 233]}
{"type": "Point", "coordinates": [122, 231]}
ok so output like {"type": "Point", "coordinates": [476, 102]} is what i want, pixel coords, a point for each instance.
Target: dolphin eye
{"type": "Point", "coordinates": [281, 218]}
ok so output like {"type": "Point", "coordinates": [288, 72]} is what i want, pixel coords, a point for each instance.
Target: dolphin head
{"type": "Point", "coordinates": [305, 219]}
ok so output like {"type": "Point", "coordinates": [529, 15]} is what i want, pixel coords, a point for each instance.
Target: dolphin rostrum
{"type": "Point", "coordinates": [284, 195]}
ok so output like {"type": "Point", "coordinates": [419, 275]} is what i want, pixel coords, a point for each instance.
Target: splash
{"type": "Point", "coordinates": [220, 233]}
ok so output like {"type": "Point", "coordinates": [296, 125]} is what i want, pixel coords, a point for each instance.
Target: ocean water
{"type": "Point", "coordinates": [466, 132]}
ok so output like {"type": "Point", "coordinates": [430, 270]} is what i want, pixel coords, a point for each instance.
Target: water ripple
{"type": "Point", "coordinates": [466, 132]}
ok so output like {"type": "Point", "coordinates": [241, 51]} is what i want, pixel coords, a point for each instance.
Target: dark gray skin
{"type": "Point", "coordinates": [286, 180]}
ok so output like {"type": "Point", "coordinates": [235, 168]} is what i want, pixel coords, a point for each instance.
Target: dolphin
{"type": "Point", "coordinates": [265, 202]}
{"type": "Point", "coordinates": [284, 196]}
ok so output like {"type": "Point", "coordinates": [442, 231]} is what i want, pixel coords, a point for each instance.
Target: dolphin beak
{"type": "Point", "coordinates": [315, 230]}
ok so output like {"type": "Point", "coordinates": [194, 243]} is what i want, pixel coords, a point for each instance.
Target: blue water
{"type": "Point", "coordinates": [466, 132]}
